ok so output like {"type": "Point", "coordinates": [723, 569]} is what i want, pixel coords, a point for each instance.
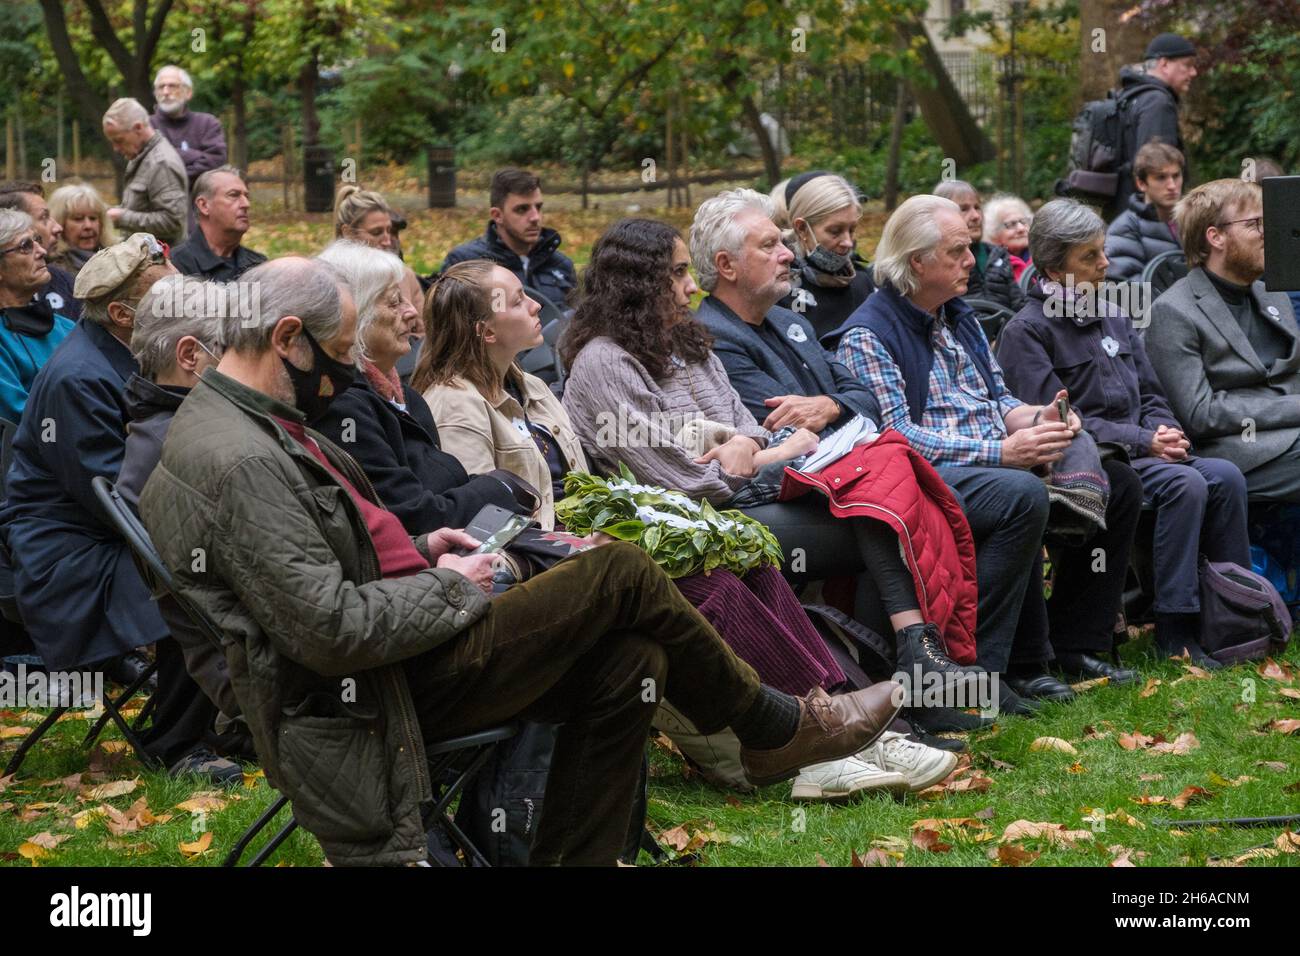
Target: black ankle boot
{"type": "Point", "coordinates": [922, 644]}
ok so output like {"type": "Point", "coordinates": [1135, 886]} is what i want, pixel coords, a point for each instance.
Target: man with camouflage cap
{"type": "Point", "coordinates": [80, 596]}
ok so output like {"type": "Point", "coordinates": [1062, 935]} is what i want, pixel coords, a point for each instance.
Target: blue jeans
{"type": "Point", "coordinates": [1200, 509]}
{"type": "Point", "coordinates": [1007, 510]}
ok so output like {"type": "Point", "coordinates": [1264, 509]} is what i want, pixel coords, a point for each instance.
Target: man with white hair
{"type": "Point", "coordinates": [919, 347]}
{"type": "Point", "coordinates": [155, 190]}
{"type": "Point", "coordinates": [197, 137]}
{"type": "Point", "coordinates": [771, 354]}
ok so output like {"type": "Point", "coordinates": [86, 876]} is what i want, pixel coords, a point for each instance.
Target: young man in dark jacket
{"type": "Point", "coordinates": [1145, 229]}
{"type": "Point", "coordinates": [517, 240]}
{"type": "Point", "coordinates": [1169, 66]}
{"type": "Point", "coordinates": [352, 643]}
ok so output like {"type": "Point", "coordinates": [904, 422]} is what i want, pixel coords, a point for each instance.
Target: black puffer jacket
{"type": "Point", "coordinates": [997, 282]}
{"type": "Point", "coordinates": [1135, 238]}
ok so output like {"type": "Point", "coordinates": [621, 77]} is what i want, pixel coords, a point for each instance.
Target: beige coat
{"type": "Point", "coordinates": [482, 436]}
{"type": "Point", "coordinates": [155, 193]}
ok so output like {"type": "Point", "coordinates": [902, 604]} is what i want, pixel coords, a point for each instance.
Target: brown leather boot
{"type": "Point", "coordinates": [829, 728]}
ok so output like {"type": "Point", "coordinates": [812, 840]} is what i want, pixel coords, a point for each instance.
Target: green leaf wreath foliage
{"type": "Point", "coordinates": [683, 536]}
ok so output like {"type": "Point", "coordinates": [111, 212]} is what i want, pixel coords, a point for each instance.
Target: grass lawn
{"type": "Point", "coordinates": [1242, 763]}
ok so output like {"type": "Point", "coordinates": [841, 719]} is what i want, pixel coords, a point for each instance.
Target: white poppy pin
{"type": "Point", "coordinates": [54, 300]}
{"type": "Point", "coordinates": [1110, 346]}
{"type": "Point", "coordinates": [796, 333]}
{"type": "Point", "coordinates": [1272, 310]}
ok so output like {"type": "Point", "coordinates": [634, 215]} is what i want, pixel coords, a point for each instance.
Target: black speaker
{"type": "Point", "coordinates": [1281, 233]}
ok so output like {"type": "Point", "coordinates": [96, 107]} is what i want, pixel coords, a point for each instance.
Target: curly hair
{"type": "Point", "coordinates": [628, 296]}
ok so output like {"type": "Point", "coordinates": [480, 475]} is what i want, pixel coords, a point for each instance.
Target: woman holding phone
{"type": "Point", "coordinates": [1069, 337]}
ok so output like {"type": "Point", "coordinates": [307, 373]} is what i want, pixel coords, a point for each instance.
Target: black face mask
{"type": "Point", "coordinates": [313, 391]}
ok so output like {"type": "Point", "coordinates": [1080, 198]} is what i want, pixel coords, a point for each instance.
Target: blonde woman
{"type": "Point", "coordinates": [822, 210]}
{"type": "Point", "coordinates": [363, 215]}
{"type": "Point", "coordinates": [82, 213]}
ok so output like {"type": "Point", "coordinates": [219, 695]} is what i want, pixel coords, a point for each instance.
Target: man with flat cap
{"type": "Point", "coordinates": [80, 596]}
{"type": "Point", "coordinates": [1168, 68]}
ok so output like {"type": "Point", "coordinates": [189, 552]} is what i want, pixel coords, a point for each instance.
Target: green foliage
{"type": "Point", "coordinates": [683, 537]}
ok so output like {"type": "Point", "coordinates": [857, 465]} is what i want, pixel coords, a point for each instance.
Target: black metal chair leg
{"type": "Point", "coordinates": [269, 814]}
{"type": "Point", "coordinates": [271, 847]}
{"type": "Point", "coordinates": [30, 740]}
{"type": "Point", "coordinates": [121, 700]}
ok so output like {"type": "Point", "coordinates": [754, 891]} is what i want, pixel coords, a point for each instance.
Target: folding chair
{"type": "Point", "coordinates": [452, 763]}
{"type": "Point", "coordinates": [991, 316]}
{"type": "Point", "coordinates": [112, 706]}
{"type": "Point", "coordinates": [544, 360]}
{"type": "Point", "coordinates": [1164, 270]}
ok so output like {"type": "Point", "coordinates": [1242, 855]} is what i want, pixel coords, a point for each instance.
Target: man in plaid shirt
{"type": "Point", "coordinates": [922, 352]}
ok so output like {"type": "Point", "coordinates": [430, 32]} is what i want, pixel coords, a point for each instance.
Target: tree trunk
{"type": "Point", "coordinates": [1124, 43]}
{"type": "Point", "coordinates": [87, 102]}
{"type": "Point", "coordinates": [944, 111]}
{"type": "Point", "coordinates": [307, 88]}
{"type": "Point", "coordinates": [895, 147]}
{"type": "Point", "coordinates": [771, 161]}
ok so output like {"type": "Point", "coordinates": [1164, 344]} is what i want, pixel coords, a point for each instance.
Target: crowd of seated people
{"type": "Point", "coordinates": [327, 474]}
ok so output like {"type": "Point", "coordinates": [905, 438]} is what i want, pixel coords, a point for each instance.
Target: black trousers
{"type": "Point", "coordinates": [183, 718]}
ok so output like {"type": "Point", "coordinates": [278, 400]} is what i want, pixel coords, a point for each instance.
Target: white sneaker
{"type": "Point", "coordinates": [842, 779]}
{"type": "Point", "coordinates": [920, 765]}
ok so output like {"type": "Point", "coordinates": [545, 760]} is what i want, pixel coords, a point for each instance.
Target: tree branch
{"type": "Point", "coordinates": [90, 105]}
{"type": "Point", "coordinates": [103, 32]}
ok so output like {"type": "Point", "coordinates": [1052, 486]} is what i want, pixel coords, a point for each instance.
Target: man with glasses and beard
{"type": "Point", "coordinates": [1225, 349]}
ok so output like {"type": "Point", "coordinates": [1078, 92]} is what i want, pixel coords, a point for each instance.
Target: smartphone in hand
{"type": "Point", "coordinates": [495, 527]}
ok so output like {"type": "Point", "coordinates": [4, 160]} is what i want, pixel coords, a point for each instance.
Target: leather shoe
{"type": "Point", "coordinates": [1009, 702]}
{"type": "Point", "coordinates": [127, 668]}
{"type": "Point", "coordinates": [1077, 667]}
{"type": "Point", "coordinates": [829, 728]}
{"type": "Point", "coordinates": [1042, 686]}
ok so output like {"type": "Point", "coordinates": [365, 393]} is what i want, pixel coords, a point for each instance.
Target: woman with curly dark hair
{"type": "Point", "coordinates": [644, 385]}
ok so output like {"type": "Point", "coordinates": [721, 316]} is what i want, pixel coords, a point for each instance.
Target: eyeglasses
{"type": "Point", "coordinates": [25, 247]}
{"type": "Point", "coordinates": [1256, 223]}
{"type": "Point", "coordinates": [1014, 223]}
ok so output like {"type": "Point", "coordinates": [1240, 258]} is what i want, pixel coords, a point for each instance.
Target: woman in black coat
{"type": "Point", "coordinates": [385, 425]}
{"type": "Point", "coordinates": [822, 213]}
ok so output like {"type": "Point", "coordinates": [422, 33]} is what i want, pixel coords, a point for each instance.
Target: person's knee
{"type": "Point", "coordinates": [1125, 492]}
{"type": "Point", "coordinates": [626, 560]}
{"type": "Point", "coordinates": [1024, 497]}
{"type": "Point", "coordinates": [1190, 487]}
{"type": "Point", "coordinates": [1227, 482]}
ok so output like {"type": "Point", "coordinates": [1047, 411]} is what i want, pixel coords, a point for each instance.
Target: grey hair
{"type": "Point", "coordinates": [175, 306]}
{"type": "Point", "coordinates": [13, 223]}
{"type": "Point", "coordinates": [993, 212]}
{"type": "Point", "coordinates": [913, 229]}
{"type": "Point", "coordinates": [125, 113]}
{"type": "Point", "coordinates": [952, 188]}
{"type": "Point", "coordinates": [1149, 66]}
{"type": "Point", "coordinates": [367, 272]}
{"type": "Point", "coordinates": [814, 202]}
{"type": "Point", "coordinates": [714, 230]}
{"type": "Point", "coordinates": [203, 185]}
{"type": "Point", "coordinates": [1059, 226]}
{"type": "Point", "coordinates": [186, 81]}
{"type": "Point", "coordinates": [288, 286]}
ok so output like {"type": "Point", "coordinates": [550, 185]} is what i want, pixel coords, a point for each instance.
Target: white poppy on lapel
{"type": "Point", "coordinates": [796, 333]}
{"type": "Point", "coordinates": [1272, 310]}
{"type": "Point", "coordinates": [54, 300]}
{"type": "Point", "coordinates": [1110, 346]}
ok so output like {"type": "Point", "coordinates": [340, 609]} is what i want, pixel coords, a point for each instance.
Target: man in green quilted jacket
{"type": "Point", "coordinates": [350, 644]}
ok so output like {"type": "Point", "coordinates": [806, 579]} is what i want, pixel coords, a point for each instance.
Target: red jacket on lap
{"type": "Point", "coordinates": [891, 482]}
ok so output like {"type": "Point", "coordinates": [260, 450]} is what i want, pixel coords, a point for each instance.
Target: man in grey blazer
{"type": "Point", "coordinates": [1225, 350]}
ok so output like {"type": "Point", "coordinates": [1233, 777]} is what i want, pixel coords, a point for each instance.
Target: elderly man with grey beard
{"type": "Point", "coordinates": [196, 137]}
